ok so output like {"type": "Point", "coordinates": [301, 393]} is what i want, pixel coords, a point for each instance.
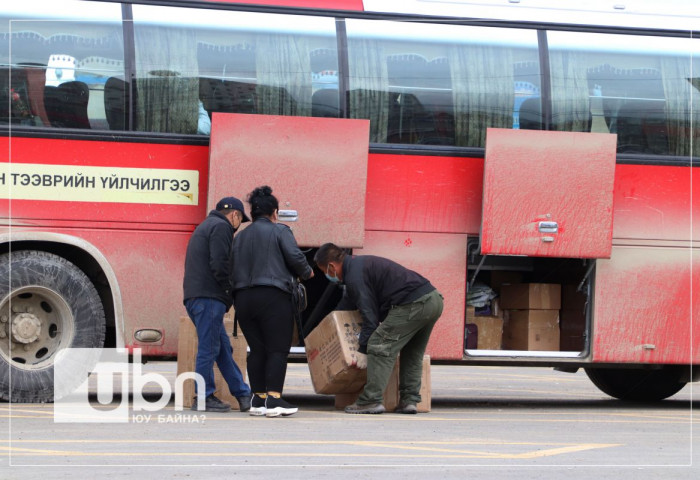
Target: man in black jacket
{"type": "Point", "coordinates": [399, 308]}
{"type": "Point", "coordinates": [208, 296]}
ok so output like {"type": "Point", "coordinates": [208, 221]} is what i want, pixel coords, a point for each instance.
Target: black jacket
{"type": "Point", "coordinates": [374, 285]}
{"type": "Point", "coordinates": [207, 262]}
{"type": "Point", "coordinates": [266, 254]}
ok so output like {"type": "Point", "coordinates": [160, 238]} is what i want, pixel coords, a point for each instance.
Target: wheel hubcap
{"type": "Point", "coordinates": [25, 328]}
{"type": "Point", "coordinates": [35, 322]}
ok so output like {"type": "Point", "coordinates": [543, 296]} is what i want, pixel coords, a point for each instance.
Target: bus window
{"type": "Point", "coordinates": [241, 62]}
{"type": "Point", "coordinates": [54, 62]}
{"type": "Point", "coordinates": [637, 87]}
{"type": "Point", "coordinates": [439, 84]}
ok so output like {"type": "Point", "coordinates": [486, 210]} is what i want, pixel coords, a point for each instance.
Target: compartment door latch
{"type": "Point", "coordinates": [548, 227]}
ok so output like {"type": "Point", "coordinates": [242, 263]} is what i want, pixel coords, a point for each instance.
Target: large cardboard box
{"type": "Point", "coordinates": [392, 395]}
{"type": "Point", "coordinates": [187, 354]}
{"type": "Point", "coordinates": [531, 330]}
{"type": "Point", "coordinates": [531, 296]}
{"type": "Point", "coordinates": [488, 330]}
{"type": "Point", "coordinates": [331, 349]}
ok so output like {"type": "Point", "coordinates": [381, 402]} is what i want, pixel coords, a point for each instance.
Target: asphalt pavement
{"type": "Point", "coordinates": [485, 422]}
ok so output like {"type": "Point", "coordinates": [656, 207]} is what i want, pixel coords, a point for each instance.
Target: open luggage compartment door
{"type": "Point", "coordinates": [317, 168]}
{"type": "Point", "coordinates": [548, 194]}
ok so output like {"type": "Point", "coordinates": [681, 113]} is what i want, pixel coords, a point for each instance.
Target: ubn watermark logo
{"type": "Point", "coordinates": [110, 368]}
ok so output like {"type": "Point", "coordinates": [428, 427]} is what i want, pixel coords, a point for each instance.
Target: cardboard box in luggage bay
{"type": "Point", "coordinates": [487, 329]}
{"type": "Point", "coordinates": [531, 330]}
{"type": "Point", "coordinates": [392, 394]}
{"type": "Point", "coordinates": [331, 349]}
{"type": "Point", "coordinates": [187, 354]}
{"type": "Point", "coordinates": [531, 296]}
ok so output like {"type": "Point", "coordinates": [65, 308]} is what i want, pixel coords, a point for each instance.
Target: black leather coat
{"type": "Point", "coordinates": [266, 254]}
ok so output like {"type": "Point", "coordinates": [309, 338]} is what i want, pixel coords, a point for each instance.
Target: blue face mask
{"type": "Point", "coordinates": [331, 279]}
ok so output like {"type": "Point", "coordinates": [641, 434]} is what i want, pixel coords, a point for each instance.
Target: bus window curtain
{"type": "Point", "coordinates": [167, 82]}
{"type": "Point", "coordinates": [680, 114]}
{"type": "Point", "coordinates": [369, 86]}
{"type": "Point", "coordinates": [571, 110]}
{"type": "Point", "coordinates": [283, 71]}
{"type": "Point", "coordinates": [483, 91]}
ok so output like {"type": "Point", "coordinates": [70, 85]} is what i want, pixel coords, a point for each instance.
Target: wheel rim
{"type": "Point", "coordinates": [35, 323]}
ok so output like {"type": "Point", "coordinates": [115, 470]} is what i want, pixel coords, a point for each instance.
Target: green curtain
{"type": "Point", "coordinates": [167, 80]}
{"type": "Point", "coordinates": [483, 91]}
{"type": "Point", "coordinates": [369, 86]}
{"type": "Point", "coordinates": [571, 110]}
{"type": "Point", "coordinates": [283, 70]}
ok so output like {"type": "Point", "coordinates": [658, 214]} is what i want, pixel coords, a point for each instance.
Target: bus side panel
{"type": "Point", "coordinates": [654, 202]}
{"type": "Point", "coordinates": [409, 193]}
{"type": "Point", "coordinates": [74, 181]}
{"type": "Point", "coordinates": [442, 259]}
{"type": "Point", "coordinates": [643, 309]}
{"type": "Point", "coordinates": [149, 267]}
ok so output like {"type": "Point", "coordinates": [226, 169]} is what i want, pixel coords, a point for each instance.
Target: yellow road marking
{"type": "Point", "coordinates": [539, 453]}
{"type": "Point", "coordinates": [417, 447]}
{"type": "Point", "coordinates": [286, 442]}
{"type": "Point", "coordinates": [421, 418]}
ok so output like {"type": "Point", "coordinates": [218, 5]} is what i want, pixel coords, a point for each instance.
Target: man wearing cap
{"type": "Point", "coordinates": [208, 296]}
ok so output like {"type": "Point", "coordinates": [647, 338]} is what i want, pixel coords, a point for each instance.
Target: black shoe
{"type": "Point", "coordinates": [212, 404]}
{"type": "Point", "coordinates": [409, 408]}
{"type": "Point", "coordinates": [274, 407]}
{"type": "Point", "coordinates": [369, 408]}
{"type": "Point", "coordinates": [257, 406]}
{"type": "Point", "coordinates": [243, 403]}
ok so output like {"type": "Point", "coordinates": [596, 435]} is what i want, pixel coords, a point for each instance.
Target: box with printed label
{"type": "Point", "coordinates": [531, 330]}
{"type": "Point", "coordinates": [331, 350]}
{"type": "Point", "coordinates": [187, 354]}
{"type": "Point", "coordinates": [531, 296]}
{"type": "Point", "coordinates": [392, 396]}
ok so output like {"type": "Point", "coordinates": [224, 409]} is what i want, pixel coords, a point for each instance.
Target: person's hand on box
{"type": "Point", "coordinates": [360, 361]}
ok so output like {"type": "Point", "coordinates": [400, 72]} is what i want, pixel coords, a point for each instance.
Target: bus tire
{"type": "Point", "coordinates": [638, 385]}
{"type": "Point", "coordinates": [46, 304]}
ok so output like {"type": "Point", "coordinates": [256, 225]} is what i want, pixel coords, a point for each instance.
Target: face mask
{"type": "Point", "coordinates": [331, 279]}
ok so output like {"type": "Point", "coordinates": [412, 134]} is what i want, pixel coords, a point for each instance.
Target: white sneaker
{"type": "Point", "coordinates": [277, 406]}
{"type": "Point", "coordinates": [257, 406]}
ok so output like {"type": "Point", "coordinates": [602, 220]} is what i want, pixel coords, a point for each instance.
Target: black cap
{"type": "Point", "coordinates": [232, 203]}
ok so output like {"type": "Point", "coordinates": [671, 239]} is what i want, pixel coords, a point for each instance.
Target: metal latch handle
{"type": "Point", "coordinates": [548, 227]}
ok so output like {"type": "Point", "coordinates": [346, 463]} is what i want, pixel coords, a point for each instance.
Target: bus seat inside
{"type": "Point", "coordinates": [325, 103]}
{"type": "Point", "coordinates": [116, 98]}
{"type": "Point", "coordinates": [66, 105]}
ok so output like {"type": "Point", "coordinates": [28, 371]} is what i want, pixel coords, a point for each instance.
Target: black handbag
{"type": "Point", "coordinates": [299, 296]}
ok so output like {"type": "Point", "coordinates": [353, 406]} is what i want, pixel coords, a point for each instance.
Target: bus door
{"type": "Point", "coordinates": [547, 214]}
{"type": "Point", "coordinates": [317, 168]}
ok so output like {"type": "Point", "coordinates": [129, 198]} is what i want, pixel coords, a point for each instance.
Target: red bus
{"type": "Point", "coordinates": [508, 143]}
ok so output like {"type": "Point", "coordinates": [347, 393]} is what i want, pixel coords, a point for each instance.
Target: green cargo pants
{"type": "Point", "coordinates": [406, 329]}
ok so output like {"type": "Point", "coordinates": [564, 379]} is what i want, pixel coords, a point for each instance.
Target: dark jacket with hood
{"type": "Point", "coordinates": [207, 262]}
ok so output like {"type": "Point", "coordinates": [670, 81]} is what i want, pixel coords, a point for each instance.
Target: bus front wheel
{"type": "Point", "coordinates": [638, 385]}
{"type": "Point", "coordinates": [47, 304]}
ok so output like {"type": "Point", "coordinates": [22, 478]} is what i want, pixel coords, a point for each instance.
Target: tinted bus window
{"type": "Point", "coordinates": [191, 63]}
{"type": "Point", "coordinates": [55, 61]}
{"type": "Point", "coordinates": [644, 89]}
{"type": "Point", "coordinates": [441, 84]}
